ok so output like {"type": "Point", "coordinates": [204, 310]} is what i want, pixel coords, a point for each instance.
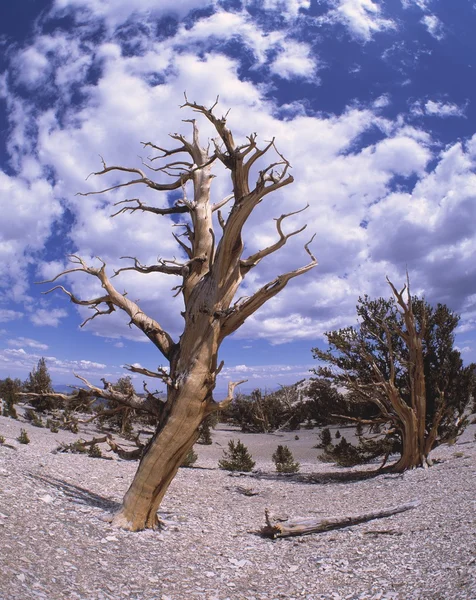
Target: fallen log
{"type": "Point", "coordinates": [306, 526]}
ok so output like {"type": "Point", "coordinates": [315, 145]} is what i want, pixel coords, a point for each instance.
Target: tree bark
{"type": "Point", "coordinates": [295, 527]}
{"type": "Point", "coordinates": [210, 280]}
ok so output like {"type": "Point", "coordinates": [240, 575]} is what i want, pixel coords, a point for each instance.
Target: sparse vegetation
{"type": "Point", "coordinates": [284, 460]}
{"type": "Point", "coordinates": [190, 458]}
{"type": "Point", "coordinates": [23, 437]}
{"type": "Point", "coordinates": [325, 438]}
{"type": "Point", "coordinates": [9, 389]}
{"type": "Point", "coordinates": [94, 451]}
{"type": "Point", "coordinates": [2, 439]}
{"type": "Point", "coordinates": [39, 385]}
{"type": "Point", "coordinates": [264, 412]}
{"type": "Point", "coordinates": [205, 433]}
{"type": "Point", "coordinates": [33, 417]}
{"type": "Point", "coordinates": [236, 458]}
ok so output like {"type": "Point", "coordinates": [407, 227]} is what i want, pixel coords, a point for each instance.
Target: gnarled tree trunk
{"type": "Point", "coordinates": [211, 272]}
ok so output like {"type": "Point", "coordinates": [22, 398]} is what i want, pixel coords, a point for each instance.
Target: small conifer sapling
{"type": "Point", "coordinates": [236, 458]}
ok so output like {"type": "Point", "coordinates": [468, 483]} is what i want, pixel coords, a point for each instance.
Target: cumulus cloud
{"type": "Point", "coordinates": [18, 363]}
{"type": "Point", "coordinates": [48, 317]}
{"type": "Point", "coordinates": [7, 315]}
{"type": "Point", "coordinates": [443, 109]}
{"type": "Point", "coordinates": [437, 108]}
{"type": "Point", "coordinates": [28, 342]}
{"type": "Point", "coordinates": [366, 226]}
{"type": "Point", "coordinates": [434, 26]}
{"type": "Point", "coordinates": [362, 18]}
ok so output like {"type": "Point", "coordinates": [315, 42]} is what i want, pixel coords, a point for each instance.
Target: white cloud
{"type": "Point", "coordinates": [362, 18]}
{"type": "Point", "coordinates": [443, 109]}
{"type": "Point", "coordinates": [437, 108]}
{"type": "Point", "coordinates": [18, 363]}
{"type": "Point", "coordinates": [363, 225]}
{"type": "Point", "coordinates": [294, 60]}
{"type": "Point", "coordinates": [7, 315]}
{"type": "Point", "coordinates": [289, 8]}
{"type": "Point", "coordinates": [24, 228]}
{"type": "Point", "coordinates": [28, 342]}
{"type": "Point", "coordinates": [48, 317]}
{"type": "Point", "coordinates": [434, 26]}
{"type": "Point", "coordinates": [122, 10]}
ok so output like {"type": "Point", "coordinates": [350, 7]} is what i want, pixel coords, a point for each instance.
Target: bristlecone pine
{"type": "Point", "coordinates": [210, 275]}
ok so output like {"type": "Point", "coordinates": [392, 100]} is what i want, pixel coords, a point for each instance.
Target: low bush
{"type": "Point", "coordinates": [23, 437]}
{"type": "Point", "coordinates": [325, 438]}
{"type": "Point", "coordinates": [33, 418]}
{"type": "Point", "coordinates": [190, 459]}
{"type": "Point", "coordinates": [94, 451]}
{"type": "Point", "coordinates": [284, 460]}
{"type": "Point", "coordinates": [236, 458]}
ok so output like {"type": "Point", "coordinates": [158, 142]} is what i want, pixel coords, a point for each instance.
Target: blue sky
{"type": "Point", "coordinates": [372, 102]}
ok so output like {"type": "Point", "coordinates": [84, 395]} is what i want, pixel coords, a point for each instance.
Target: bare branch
{"type": "Point", "coordinates": [214, 406]}
{"type": "Point", "coordinates": [254, 259]}
{"type": "Point", "coordinates": [171, 210]}
{"type": "Point", "coordinates": [163, 266]}
{"type": "Point", "coordinates": [222, 203]}
{"type": "Point", "coordinates": [146, 324]}
{"type": "Point", "coordinates": [131, 400]}
{"type": "Point", "coordinates": [161, 373]}
{"type": "Point", "coordinates": [165, 187]}
{"type": "Point", "coordinates": [268, 291]}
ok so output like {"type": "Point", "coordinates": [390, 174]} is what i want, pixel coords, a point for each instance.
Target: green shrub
{"type": "Point", "coordinates": [33, 418]}
{"type": "Point", "coordinates": [53, 425]}
{"type": "Point", "coordinates": [325, 438]}
{"type": "Point", "coordinates": [359, 430]}
{"type": "Point", "coordinates": [23, 437]}
{"type": "Point", "coordinates": [190, 458]}
{"type": "Point", "coordinates": [94, 451]}
{"type": "Point", "coordinates": [2, 439]}
{"type": "Point", "coordinates": [205, 434]}
{"type": "Point", "coordinates": [236, 458]}
{"type": "Point", "coordinates": [338, 435]}
{"type": "Point", "coordinates": [347, 455]}
{"type": "Point", "coordinates": [284, 460]}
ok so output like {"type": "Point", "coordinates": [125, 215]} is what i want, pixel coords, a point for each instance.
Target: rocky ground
{"type": "Point", "coordinates": [56, 542]}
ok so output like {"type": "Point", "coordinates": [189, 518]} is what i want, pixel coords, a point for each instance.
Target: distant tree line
{"type": "Point", "coordinates": [398, 373]}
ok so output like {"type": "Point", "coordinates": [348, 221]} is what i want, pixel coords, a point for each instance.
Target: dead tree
{"type": "Point", "coordinates": [210, 275]}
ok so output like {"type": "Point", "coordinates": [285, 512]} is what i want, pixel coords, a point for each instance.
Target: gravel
{"type": "Point", "coordinates": [56, 541]}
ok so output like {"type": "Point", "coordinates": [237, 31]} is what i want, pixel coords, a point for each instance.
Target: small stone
{"type": "Point", "coordinates": [47, 499]}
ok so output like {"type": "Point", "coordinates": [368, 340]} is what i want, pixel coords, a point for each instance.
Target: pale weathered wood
{"type": "Point", "coordinates": [210, 278]}
{"type": "Point", "coordinates": [306, 526]}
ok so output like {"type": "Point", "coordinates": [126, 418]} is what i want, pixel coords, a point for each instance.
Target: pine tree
{"type": "Point", "coordinates": [236, 458]}
{"type": "Point", "coordinates": [9, 389]}
{"type": "Point", "coordinates": [39, 382]}
{"type": "Point", "coordinates": [284, 460]}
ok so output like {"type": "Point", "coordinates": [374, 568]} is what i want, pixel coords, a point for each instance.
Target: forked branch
{"type": "Point", "coordinates": [254, 259]}
{"type": "Point", "coordinates": [112, 299]}
{"type": "Point", "coordinates": [215, 406]}
{"type": "Point", "coordinates": [268, 291]}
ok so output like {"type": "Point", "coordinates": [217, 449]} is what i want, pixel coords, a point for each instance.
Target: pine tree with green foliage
{"type": "Point", "coordinates": [236, 458]}
{"type": "Point", "coordinates": [39, 382]}
{"type": "Point", "coordinates": [284, 460]}
{"type": "Point", "coordinates": [9, 389]}
{"type": "Point", "coordinates": [190, 459]}
{"type": "Point", "coordinates": [325, 438]}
